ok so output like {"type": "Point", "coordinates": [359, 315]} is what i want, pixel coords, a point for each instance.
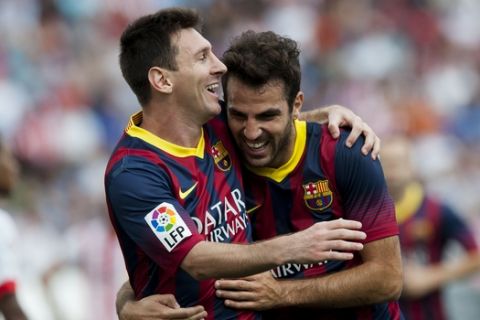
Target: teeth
{"type": "Point", "coordinates": [256, 145]}
{"type": "Point", "coordinates": [212, 87]}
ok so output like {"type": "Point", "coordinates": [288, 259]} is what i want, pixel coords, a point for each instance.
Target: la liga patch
{"type": "Point", "coordinates": [167, 225]}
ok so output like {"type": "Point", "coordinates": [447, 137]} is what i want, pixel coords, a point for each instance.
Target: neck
{"type": "Point", "coordinates": [169, 124]}
{"type": "Point", "coordinates": [289, 148]}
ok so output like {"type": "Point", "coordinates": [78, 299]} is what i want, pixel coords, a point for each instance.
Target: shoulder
{"type": "Point", "coordinates": [132, 171]}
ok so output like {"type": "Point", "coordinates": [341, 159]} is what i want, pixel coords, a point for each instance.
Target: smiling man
{"type": "Point", "coordinates": [298, 175]}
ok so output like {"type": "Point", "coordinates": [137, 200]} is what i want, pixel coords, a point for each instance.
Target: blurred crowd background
{"type": "Point", "coordinates": [407, 66]}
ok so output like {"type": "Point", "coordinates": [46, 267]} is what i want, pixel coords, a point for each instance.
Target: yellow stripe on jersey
{"type": "Point", "coordinates": [134, 130]}
{"type": "Point", "coordinates": [278, 174]}
{"type": "Point", "coordinates": [410, 202]}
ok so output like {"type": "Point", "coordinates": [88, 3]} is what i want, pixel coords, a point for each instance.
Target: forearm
{"type": "Point", "coordinates": [219, 260]}
{"type": "Point", "coordinates": [420, 281]}
{"type": "Point", "coordinates": [332, 240]}
{"type": "Point", "coordinates": [124, 295]}
{"type": "Point", "coordinates": [374, 281]}
{"type": "Point", "coordinates": [362, 285]}
{"type": "Point", "coordinates": [316, 115]}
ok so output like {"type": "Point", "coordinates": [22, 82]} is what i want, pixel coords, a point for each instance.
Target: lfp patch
{"type": "Point", "coordinates": [221, 156]}
{"type": "Point", "coordinates": [317, 195]}
{"type": "Point", "coordinates": [167, 225]}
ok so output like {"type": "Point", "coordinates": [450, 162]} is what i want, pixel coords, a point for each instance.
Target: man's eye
{"type": "Point", "coordinates": [203, 56]}
{"type": "Point", "coordinates": [267, 116]}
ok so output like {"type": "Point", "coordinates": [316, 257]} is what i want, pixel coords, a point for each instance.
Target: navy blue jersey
{"type": "Point", "coordinates": [163, 199]}
{"type": "Point", "coordinates": [426, 228]}
{"type": "Point", "coordinates": [323, 180]}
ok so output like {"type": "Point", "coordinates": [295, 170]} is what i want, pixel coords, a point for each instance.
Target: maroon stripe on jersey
{"type": "Point", "coordinates": [415, 311]}
{"type": "Point", "coordinates": [225, 193]}
{"type": "Point", "coordinates": [206, 288]}
{"type": "Point", "coordinates": [364, 313]}
{"type": "Point", "coordinates": [262, 221]}
{"type": "Point", "coordinates": [432, 213]}
{"type": "Point", "coordinates": [394, 310]}
{"type": "Point", "coordinates": [221, 130]}
{"type": "Point", "coordinates": [437, 307]}
{"type": "Point", "coordinates": [123, 152]}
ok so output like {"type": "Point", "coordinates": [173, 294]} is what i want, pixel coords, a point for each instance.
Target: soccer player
{"type": "Point", "coordinates": [9, 306]}
{"type": "Point", "coordinates": [427, 226]}
{"type": "Point", "coordinates": [173, 183]}
{"type": "Point", "coordinates": [299, 175]}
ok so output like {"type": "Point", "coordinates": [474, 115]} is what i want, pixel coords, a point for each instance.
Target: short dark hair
{"type": "Point", "coordinates": [256, 58]}
{"type": "Point", "coordinates": [147, 42]}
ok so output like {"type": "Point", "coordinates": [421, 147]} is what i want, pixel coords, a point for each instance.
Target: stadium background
{"type": "Point", "coordinates": [411, 66]}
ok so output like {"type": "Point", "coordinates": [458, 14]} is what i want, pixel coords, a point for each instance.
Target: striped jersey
{"type": "Point", "coordinates": [323, 180]}
{"type": "Point", "coordinates": [427, 226]}
{"type": "Point", "coordinates": [163, 199]}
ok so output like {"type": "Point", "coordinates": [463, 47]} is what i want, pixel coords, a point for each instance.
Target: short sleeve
{"type": "Point", "coordinates": [147, 212]}
{"type": "Point", "coordinates": [363, 190]}
{"type": "Point", "coordinates": [454, 228]}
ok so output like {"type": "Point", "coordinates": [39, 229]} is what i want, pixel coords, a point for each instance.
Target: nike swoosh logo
{"type": "Point", "coordinates": [253, 209]}
{"type": "Point", "coordinates": [185, 194]}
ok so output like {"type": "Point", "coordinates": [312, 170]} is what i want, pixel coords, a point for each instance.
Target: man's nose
{"type": "Point", "coordinates": [252, 131]}
{"type": "Point", "coordinates": [218, 66]}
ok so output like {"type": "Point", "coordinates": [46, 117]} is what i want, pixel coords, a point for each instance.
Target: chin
{"type": "Point", "coordinates": [257, 163]}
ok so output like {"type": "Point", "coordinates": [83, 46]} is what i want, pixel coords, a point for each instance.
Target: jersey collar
{"type": "Point", "coordinates": [409, 203]}
{"type": "Point", "coordinates": [278, 174]}
{"type": "Point", "coordinates": [134, 130]}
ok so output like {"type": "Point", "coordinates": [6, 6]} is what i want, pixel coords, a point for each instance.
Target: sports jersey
{"type": "Point", "coordinates": [426, 227]}
{"type": "Point", "coordinates": [323, 180]}
{"type": "Point", "coordinates": [163, 199]}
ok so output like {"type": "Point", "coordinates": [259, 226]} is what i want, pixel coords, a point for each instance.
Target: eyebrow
{"type": "Point", "coordinates": [268, 112]}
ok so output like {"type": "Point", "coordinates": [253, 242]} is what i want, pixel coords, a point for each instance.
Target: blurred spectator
{"type": "Point", "coordinates": [9, 306]}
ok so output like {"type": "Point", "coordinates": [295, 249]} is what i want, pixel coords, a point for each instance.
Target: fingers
{"type": "Point", "coordinates": [372, 141]}
{"type": "Point", "coordinates": [341, 223]}
{"type": "Point", "coordinates": [345, 234]}
{"type": "Point", "coordinates": [340, 256]}
{"type": "Point", "coordinates": [166, 299]}
{"type": "Point", "coordinates": [334, 126]}
{"type": "Point", "coordinates": [343, 246]}
{"type": "Point", "coordinates": [342, 229]}
{"type": "Point", "coordinates": [357, 129]}
{"type": "Point", "coordinates": [247, 305]}
{"type": "Point", "coordinates": [370, 137]}
{"type": "Point", "coordinates": [376, 148]}
{"type": "Point", "coordinates": [191, 313]}
{"type": "Point", "coordinates": [233, 284]}
{"type": "Point", "coordinates": [235, 295]}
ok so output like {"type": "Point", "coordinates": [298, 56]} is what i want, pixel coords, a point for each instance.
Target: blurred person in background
{"type": "Point", "coordinates": [427, 226]}
{"type": "Point", "coordinates": [173, 184]}
{"type": "Point", "coordinates": [298, 175]}
{"type": "Point", "coordinates": [9, 306]}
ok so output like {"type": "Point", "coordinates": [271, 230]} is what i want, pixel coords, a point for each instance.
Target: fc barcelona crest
{"type": "Point", "coordinates": [221, 156]}
{"type": "Point", "coordinates": [317, 195]}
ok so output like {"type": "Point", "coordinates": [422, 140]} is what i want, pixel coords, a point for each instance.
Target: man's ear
{"type": "Point", "coordinates": [297, 105]}
{"type": "Point", "coordinates": [159, 80]}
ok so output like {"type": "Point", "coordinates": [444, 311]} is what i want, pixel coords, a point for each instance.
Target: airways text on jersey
{"type": "Point", "coordinates": [224, 219]}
